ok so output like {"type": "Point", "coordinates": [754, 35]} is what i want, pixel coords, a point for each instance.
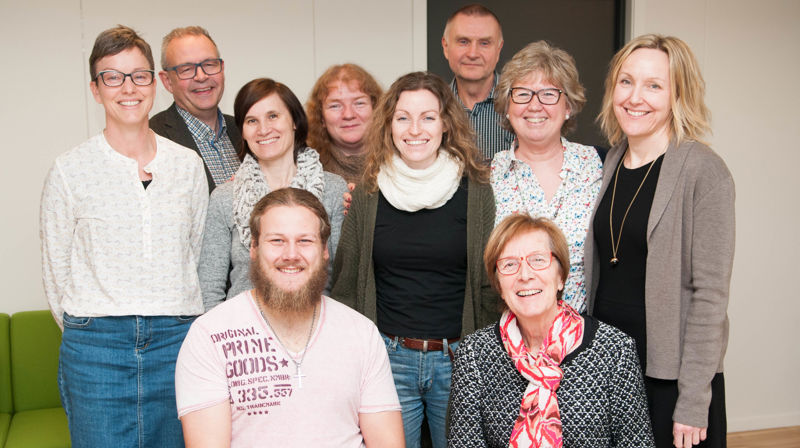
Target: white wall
{"type": "Point", "coordinates": [750, 55]}
{"type": "Point", "coordinates": [47, 107]}
{"type": "Point", "coordinates": [742, 46]}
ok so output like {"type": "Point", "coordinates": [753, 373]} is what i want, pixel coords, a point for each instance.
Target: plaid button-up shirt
{"type": "Point", "coordinates": [217, 150]}
{"type": "Point", "coordinates": [491, 137]}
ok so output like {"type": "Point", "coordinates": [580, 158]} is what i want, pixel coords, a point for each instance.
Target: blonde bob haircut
{"type": "Point", "coordinates": [690, 118]}
{"type": "Point", "coordinates": [554, 65]}
{"type": "Point", "coordinates": [318, 137]}
{"type": "Point", "coordinates": [519, 224]}
{"type": "Point", "coordinates": [458, 138]}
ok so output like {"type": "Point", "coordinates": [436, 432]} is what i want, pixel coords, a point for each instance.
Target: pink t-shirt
{"type": "Point", "coordinates": [231, 354]}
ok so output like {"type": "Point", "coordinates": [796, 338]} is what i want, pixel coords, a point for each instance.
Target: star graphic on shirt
{"type": "Point", "coordinates": [284, 363]}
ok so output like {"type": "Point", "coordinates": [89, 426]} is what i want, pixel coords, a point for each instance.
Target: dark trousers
{"type": "Point", "coordinates": [661, 398]}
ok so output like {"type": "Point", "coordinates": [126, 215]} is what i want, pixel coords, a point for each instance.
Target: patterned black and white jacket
{"type": "Point", "coordinates": [601, 397]}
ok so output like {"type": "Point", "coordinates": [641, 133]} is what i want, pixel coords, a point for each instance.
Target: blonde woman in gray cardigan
{"type": "Point", "coordinates": [662, 237]}
{"type": "Point", "coordinates": [274, 155]}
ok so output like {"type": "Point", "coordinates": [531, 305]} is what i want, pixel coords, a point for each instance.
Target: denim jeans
{"type": "Point", "coordinates": [422, 380]}
{"type": "Point", "coordinates": [116, 376]}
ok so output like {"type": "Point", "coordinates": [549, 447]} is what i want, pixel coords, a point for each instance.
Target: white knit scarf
{"type": "Point", "coordinates": [249, 186]}
{"type": "Point", "coordinates": [412, 190]}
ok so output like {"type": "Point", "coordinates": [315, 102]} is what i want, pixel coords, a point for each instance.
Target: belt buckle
{"type": "Point", "coordinates": [424, 346]}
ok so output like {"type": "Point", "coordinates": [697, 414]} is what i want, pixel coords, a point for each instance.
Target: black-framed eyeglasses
{"type": "Point", "coordinates": [115, 78]}
{"type": "Point", "coordinates": [189, 70]}
{"type": "Point", "coordinates": [522, 95]}
{"type": "Point", "coordinates": [538, 261]}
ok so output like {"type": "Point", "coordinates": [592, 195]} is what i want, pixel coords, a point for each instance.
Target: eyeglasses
{"type": "Point", "coordinates": [114, 78]}
{"type": "Point", "coordinates": [538, 261]}
{"type": "Point", "coordinates": [189, 70]}
{"type": "Point", "coordinates": [521, 95]}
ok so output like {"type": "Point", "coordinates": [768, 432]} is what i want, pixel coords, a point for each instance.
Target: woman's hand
{"type": "Point", "coordinates": [347, 197]}
{"type": "Point", "coordinates": [685, 436]}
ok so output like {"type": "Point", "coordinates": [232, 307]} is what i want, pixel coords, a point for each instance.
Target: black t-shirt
{"type": "Point", "coordinates": [620, 295]}
{"type": "Point", "coordinates": [420, 261]}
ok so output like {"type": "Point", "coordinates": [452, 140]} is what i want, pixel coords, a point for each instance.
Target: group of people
{"type": "Point", "coordinates": [433, 263]}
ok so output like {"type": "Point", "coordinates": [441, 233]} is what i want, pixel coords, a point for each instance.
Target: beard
{"type": "Point", "coordinates": [282, 300]}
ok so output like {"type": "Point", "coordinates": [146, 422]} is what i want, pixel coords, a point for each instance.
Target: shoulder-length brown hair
{"type": "Point", "coordinates": [258, 89]}
{"type": "Point", "coordinates": [691, 119]}
{"type": "Point", "coordinates": [458, 138]}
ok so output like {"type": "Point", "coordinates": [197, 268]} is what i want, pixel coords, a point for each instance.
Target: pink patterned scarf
{"type": "Point", "coordinates": [539, 421]}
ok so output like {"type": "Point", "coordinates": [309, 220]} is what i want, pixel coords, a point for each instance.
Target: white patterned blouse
{"type": "Point", "coordinates": [110, 246]}
{"type": "Point", "coordinates": [516, 190]}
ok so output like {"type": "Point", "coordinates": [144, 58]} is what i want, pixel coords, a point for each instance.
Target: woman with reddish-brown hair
{"type": "Point", "coordinates": [339, 112]}
{"type": "Point", "coordinates": [543, 375]}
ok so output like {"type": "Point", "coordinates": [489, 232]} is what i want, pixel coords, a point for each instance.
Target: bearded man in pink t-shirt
{"type": "Point", "coordinates": [281, 365]}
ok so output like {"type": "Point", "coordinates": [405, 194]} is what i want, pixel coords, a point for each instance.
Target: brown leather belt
{"type": "Point", "coordinates": [426, 345]}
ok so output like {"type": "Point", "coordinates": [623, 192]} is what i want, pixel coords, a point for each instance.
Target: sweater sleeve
{"type": "Point", "coordinates": [57, 225]}
{"type": "Point", "coordinates": [215, 255]}
{"type": "Point", "coordinates": [346, 263]}
{"type": "Point", "coordinates": [713, 237]}
{"type": "Point", "coordinates": [335, 188]}
{"type": "Point", "coordinates": [464, 425]}
{"type": "Point", "coordinates": [630, 419]}
{"type": "Point", "coordinates": [199, 208]}
{"type": "Point", "coordinates": [489, 311]}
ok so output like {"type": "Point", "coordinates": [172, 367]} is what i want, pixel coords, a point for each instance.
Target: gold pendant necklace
{"type": "Point", "coordinates": [615, 246]}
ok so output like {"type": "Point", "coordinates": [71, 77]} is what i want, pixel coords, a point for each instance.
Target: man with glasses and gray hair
{"type": "Point", "coordinates": [194, 74]}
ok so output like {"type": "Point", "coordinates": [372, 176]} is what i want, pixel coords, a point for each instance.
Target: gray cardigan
{"type": "Point", "coordinates": [690, 239]}
{"type": "Point", "coordinates": [354, 273]}
{"type": "Point", "coordinates": [223, 251]}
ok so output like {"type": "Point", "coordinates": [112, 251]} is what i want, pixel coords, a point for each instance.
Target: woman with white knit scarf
{"type": "Point", "coordinates": [544, 376]}
{"type": "Point", "coordinates": [274, 155]}
{"type": "Point", "coordinates": [410, 253]}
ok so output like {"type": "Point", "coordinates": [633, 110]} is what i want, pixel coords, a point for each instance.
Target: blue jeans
{"type": "Point", "coordinates": [116, 376]}
{"type": "Point", "coordinates": [422, 380]}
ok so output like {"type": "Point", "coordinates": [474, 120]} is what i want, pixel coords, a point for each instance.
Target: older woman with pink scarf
{"type": "Point", "coordinates": [543, 376]}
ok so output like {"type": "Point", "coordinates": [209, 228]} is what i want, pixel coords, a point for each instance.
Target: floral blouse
{"type": "Point", "coordinates": [516, 190]}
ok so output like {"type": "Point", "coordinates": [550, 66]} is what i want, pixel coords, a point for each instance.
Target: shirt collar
{"type": "Point", "coordinates": [571, 160]}
{"type": "Point", "coordinates": [489, 98]}
{"type": "Point", "coordinates": [196, 123]}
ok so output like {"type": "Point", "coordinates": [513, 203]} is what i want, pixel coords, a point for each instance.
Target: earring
{"type": "Point", "coordinates": [567, 117]}
{"type": "Point", "coordinates": [507, 116]}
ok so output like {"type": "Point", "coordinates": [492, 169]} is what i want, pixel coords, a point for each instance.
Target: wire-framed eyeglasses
{"type": "Point", "coordinates": [522, 95]}
{"type": "Point", "coordinates": [538, 261]}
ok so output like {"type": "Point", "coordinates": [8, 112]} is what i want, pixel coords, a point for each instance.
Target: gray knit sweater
{"type": "Point", "coordinates": [224, 253]}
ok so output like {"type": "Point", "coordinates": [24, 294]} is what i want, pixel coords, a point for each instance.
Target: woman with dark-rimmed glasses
{"type": "Point", "coordinates": [544, 174]}
{"type": "Point", "coordinates": [122, 217]}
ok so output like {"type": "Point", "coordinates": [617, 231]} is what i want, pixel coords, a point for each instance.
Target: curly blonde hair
{"type": "Point", "coordinates": [690, 118]}
{"type": "Point", "coordinates": [458, 138]}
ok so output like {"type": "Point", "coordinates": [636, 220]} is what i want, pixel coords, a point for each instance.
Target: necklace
{"type": "Point", "coordinates": [515, 167]}
{"type": "Point", "coordinates": [615, 246]}
{"type": "Point", "coordinates": [297, 364]}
